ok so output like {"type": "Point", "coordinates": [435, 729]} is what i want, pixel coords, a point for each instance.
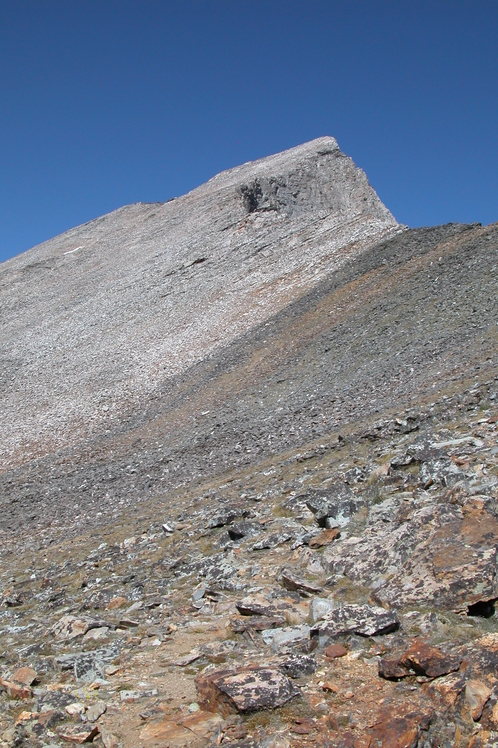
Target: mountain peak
{"type": "Point", "coordinates": [113, 308]}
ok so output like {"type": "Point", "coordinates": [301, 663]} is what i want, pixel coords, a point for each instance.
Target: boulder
{"type": "Point", "coordinates": [244, 690]}
{"type": "Point", "coordinates": [364, 620]}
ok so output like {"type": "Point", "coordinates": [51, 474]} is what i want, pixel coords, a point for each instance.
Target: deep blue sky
{"type": "Point", "coordinates": [108, 102]}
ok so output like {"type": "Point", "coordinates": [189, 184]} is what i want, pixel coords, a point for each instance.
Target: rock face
{"type": "Point", "coordinates": [103, 314]}
{"type": "Point", "coordinates": [258, 504]}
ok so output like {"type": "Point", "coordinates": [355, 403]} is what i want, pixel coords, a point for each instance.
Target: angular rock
{"type": "Point", "coordinates": [78, 733]}
{"type": "Point", "coordinates": [70, 627]}
{"type": "Point", "coordinates": [108, 738]}
{"type": "Point", "coordinates": [477, 694]}
{"type": "Point", "coordinates": [320, 606]}
{"type": "Point", "coordinates": [167, 733]}
{"type": "Point", "coordinates": [419, 659]}
{"type": "Point", "coordinates": [430, 661]}
{"type": "Point", "coordinates": [364, 620]}
{"type": "Point", "coordinates": [244, 690]}
{"type": "Point", "coordinates": [225, 517]}
{"type": "Point", "coordinates": [258, 605]}
{"type": "Point", "coordinates": [391, 668]}
{"type": "Point", "coordinates": [294, 583]}
{"type": "Point", "coordinates": [95, 710]}
{"type": "Point", "coordinates": [188, 659]}
{"type": "Point", "coordinates": [97, 634]}
{"type": "Point", "coordinates": [25, 675]}
{"type": "Point", "coordinates": [273, 540]}
{"type": "Point", "coordinates": [239, 530]}
{"type": "Point", "coordinates": [324, 538]}
{"type": "Point", "coordinates": [54, 701]}
{"type": "Point", "coordinates": [403, 729]}
{"type": "Point", "coordinates": [88, 668]}
{"type": "Point", "coordinates": [333, 505]}
{"type": "Point", "coordinates": [15, 690]}
{"type": "Point", "coordinates": [441, 555]}
{"type": "Point", "coordinates": [131, 696]}
{"type": "Point", "coordinates": [281, 638]}
{"type": "Point", "coordinates": [298, 665]}
{"type": "Point", "coordinates": [201, 723]}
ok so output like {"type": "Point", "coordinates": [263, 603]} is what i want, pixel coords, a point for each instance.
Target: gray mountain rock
{"type": "Point", "coordinates": [215, 410]}
{"type": "Point", "coordinates": [95, 319]}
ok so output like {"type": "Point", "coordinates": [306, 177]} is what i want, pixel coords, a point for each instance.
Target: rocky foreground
{"type": "Point", "coordinates": [291, 541]}
{"type": "Point", "coordinates": [342, 596]}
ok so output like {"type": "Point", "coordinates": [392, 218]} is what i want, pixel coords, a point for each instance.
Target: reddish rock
{"type": "Point", "coordinates": [302, 727]}
{"type": "Point", "coordinates": [325, 537]}
{"type": "Point", "coordinates": [426, 660]}
{"type": "Point", "coordinates": [78, 733]}
{"type": "Point", "coordinates": [420, 659]}
{"type": "Point", "coordinates": [25, 675]}
{"type": "Point", "coordinates": [476, 696]}
{"type": "Point", "coordinates": [335, 650]}
{"type": "Point", "coordinates": [392, 669]}
{"type": "Point", "coordinates": [15, 690]}
{"type": "Point", "coordinates": [401, 729]}
{"type": "Point", "coordinates": [244, 690]}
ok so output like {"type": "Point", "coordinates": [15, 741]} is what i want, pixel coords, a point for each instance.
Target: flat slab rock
{"type": "Point", "coordinates": [364, 620]}
{"type": "Point", "coordinates": [244, 690]}
{"type": "Point", "coordinates": [442, 554]}
{"type": "Point", "coordinates": [258, 605]}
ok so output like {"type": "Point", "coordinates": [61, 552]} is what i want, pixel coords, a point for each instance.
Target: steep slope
{"type": "Point", "coordinates": [94, 320]}
{"type": "Point", "coordinates": [395, 326]}
{"type": "Point", "coordinates": [250, 487]}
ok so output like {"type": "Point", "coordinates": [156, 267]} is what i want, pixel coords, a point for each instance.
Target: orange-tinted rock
{"type": "Point", "coordinates": [335, 650]}
{"type": "Point", "coordinates": [476, 696]}
{"type": "Point", "coordinates": [329, 686]}
{"type": "Point", "coordinates": [400, 730]}
{"type": "Point", "coordinates": [78, 733]}
{"type": "Point", "coordinates": [426, 660]}
{"type": "Point", "coordinates": [421, 659]}
{"type": "Point", "coordinates": [24, 717]}
{"type": "Point", "coordinates": [201, 723]}
{"type": "Point", "coordinates": [15, 690]}
{"type": "Point", "coordinates": [325, 537]}
{"type": "Point", "coordinates": [167, 733]}
{"type": "Point", "coordinates": [117, 602]}
{"type": "Point", "coordinates": [25, 675]}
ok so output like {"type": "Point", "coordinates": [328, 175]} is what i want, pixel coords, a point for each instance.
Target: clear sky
{"type": "Point", "coordinates": [109, 102]}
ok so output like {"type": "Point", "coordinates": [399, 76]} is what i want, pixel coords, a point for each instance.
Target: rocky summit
{"type": "Point", "coordinates": [249, 472]}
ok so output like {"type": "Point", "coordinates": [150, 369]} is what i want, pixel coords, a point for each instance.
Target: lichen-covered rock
{"type": "Point", "coordinates": [244, 690]}
{"type": "Point", "coordinates": [440, 554]}
{"type": "Point", "coordinates": [364, 620]}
